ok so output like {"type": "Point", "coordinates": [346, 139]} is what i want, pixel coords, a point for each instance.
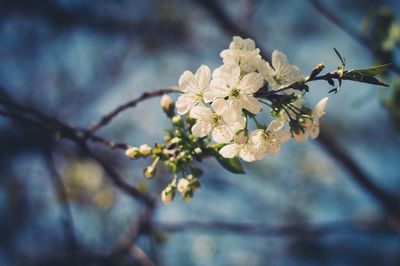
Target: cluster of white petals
{"type": "Point", "coordinates": [223, 101]}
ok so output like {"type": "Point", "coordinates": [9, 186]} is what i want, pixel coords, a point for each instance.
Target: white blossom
{"type": "Point", "coordinates": [183, 185]}
{"type": "Point", "coordinates": [219, 122]}
{"type": "Point", "coordinates": [227, 82]}
{"type": "Point", "coordinates": [145, 149]}
{"type": "Point", "coordinates": [242, 52]}
{"type": "Point", "coordinates": [268, 141]}
{"type": "Point", "coordinates": [281, 74]}
{"type": "Point", "coordinates": [311, 126]}
{"type": "Point", "coordinates": [193, 86]}
{"type": "Point", "coordinates": [167, 195]}
{"type": "Point", "coordinates": [241, 147]}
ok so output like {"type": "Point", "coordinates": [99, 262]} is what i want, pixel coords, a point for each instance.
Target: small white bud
{"type": "Point", "coordinates": [197, 151]}
{"type": "Point", "coordinates": [145, 150]}
{"type": "Point", "coordinates": [167, 105]}
{"type": "Point", "coordinates": [177, 120]}
{"type": "Point", "coordinates": [166, 101]}
{"type": "Point", "coordinates": [168, 194]}
{"type": "Point", "coordinates": [132, 152]}
{"type": "Point", "coordinates": [183, 186]}
{"type": "Point", "coordinates": [148, 172]}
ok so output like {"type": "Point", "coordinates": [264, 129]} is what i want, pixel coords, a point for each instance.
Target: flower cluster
{"type": "Point", "coordinates": [224, 100]}
{"type": "Point", "coordinates": [246, 109]}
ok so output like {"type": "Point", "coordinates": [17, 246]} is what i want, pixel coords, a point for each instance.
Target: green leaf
{"type": "Point", "coordinates": [373, 71]}
{"type": "Point", "coordinates": [233, 165]}
{"type": "Point", "coordinates": [342, 59]}
{"type": "Point", "coordinates": [355, 75]}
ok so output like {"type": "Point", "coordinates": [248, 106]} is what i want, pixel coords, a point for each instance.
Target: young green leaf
{"type": "Point", "coordinates": [373, 71]}
{"type": "Point", "coordinates": [342, 59]}
{"type": "Point", "coordinates": [233, 165]}
{"type": "Point", "coordinates": [358, 76]}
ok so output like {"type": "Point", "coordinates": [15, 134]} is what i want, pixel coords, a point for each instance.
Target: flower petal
{"type": "Point", "coordinates": [251, 82]}
{"type": "Point", "coordinates": [201, 130]}
{"type": "Point", "coordinates": [185, 102]}
{"type": "Point", "coordinates": [185, 80]}
{"type": "Point", "coordinates": [221, 134]}
{"type": "Point", "coordinates": [201, 113]}
{"type": "Point", "coordinates": [203, 76]}
{"type": "Point", "coordinates": [251, 104]}
{"type": "Point", "coordinates": [247, 154]}
{"type": "Point", "coordinates": [229, 151]}
{"type": "Point", "coordinates": [319, 109]}
{"type": "Point", "coordinates": [279, 61]}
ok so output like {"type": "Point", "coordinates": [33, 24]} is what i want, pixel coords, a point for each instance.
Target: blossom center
{"type": "Point", "coordinates": [217, 120]}
{"type": "Point", "coordinates": [235, 92]}
{"type": "Point", "coordinates": [279, 78]}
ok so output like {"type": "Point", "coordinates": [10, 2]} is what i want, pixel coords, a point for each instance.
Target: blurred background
{"type": "Point", "coordinates": [78, 60]}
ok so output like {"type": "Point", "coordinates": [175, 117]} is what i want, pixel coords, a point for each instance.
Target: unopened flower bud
{"type": "Point", "coordinates": [148, 172]}
{"type": "Point", "coordinates": [187, 196]}
{"type": "Point", "coordinates": [194, 182]}
{"type": "Point", "coordinates": [132, 152]}
{"type": "Point", "coordinates": [183, 186]}
{"type": "Point", "coordinates": [145, 150]}
{"type": "Point", "coordinates": [177, 120]}
{"type": "Point", "coordinates": [168, 194]}
{"type": "Point", "coordinates": [197, 151]}
{"type": "Point", "coordinates": [317, 70]}
{"type": "Point", "coordinates": [168, 105]}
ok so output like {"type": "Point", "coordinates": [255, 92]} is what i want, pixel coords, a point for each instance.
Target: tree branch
{"type": "Point", "coordinates": [34, 117]}
{"type": "Point", "coordinates": [68, 221]}
{"type": "Point", "coordinates": [106, 119]}
{"type": "Point", "coordinates": [361, 39]}
{"type": "Point", "coordinates": [290, 230]}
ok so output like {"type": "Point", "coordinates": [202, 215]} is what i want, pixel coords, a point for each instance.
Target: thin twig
{"type": "Point", "coordinates": [290, 230]}
{"type": "Point", "coordinates": [357, 36]}
{"type": "Point", "coordinates": [104, 120]}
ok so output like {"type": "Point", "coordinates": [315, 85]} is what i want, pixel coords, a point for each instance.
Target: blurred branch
{"type": "Point", "coordinates": [361, 39]}
{"type": "Point", "coordinates": [328, 141]}
{"type": "Point", "coordinates": [103, 121]}
{"type": "Point", "coordinates": [229, 25]}
{"type": "Point", "coordinates": [87, 16]}
{"type": "Point", "coordinates": [32, 117]}
{"type": "Point", "coordinates": [68, 221]}
{"type": "Point", "coordinates": [291, 230]}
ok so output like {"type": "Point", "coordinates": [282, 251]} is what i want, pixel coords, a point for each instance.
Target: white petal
{"type": "Point", "coordinates": [219, 106]}
{"type": "Point", "coordinates": [186, 79]}
{"type": "Point", "coordinates": [319, 109]}
{"type": "Point", "coordinates": [251, 104]}
{"type": "Point", "coordinates": [284, 136]}
{"type": "Point", "coordinates": [279, 61]}
{"type": "Point", "coordinates": [185, 102]}
{"type": "Point", "coordinates": [201, 112]}
{"type": "Point", "coordinates": [251, 82]}
{"type": "Point", "coordinates": [201, 130]}
{"type": "Point", "coordinates": [203, 76]}
{"type": "Point", "coordinates": [229, 151]}
{"type": "Point", "coordinates": [221, 134]}
{"type": "Point", "coordinates": [273, 148]}
{"type": "Point", "coordinates": [247, 154]}
{"type": "Point", "coordinates": [217, 89]}
{"type": "Point", "coordinates": [275, 125]}
{"type": "Point", "coordinates": [227, 72]}
{"type": "Point", "coordinates": [314, 132]}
